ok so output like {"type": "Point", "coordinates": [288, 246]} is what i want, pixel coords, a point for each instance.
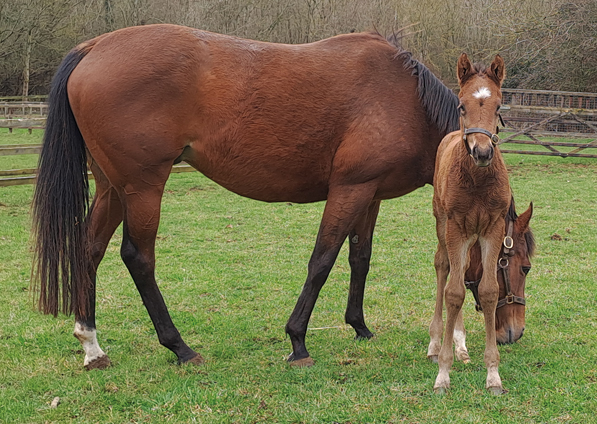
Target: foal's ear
{"type": "Point", "coordinates": [465, 69]}
{"type": "Point", "coordinates": [524, 219]}
{"type": "Point", "coordinates": [498, 70]}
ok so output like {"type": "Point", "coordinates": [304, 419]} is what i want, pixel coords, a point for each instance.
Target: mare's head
{"type": "Point", "coordinates": [480, 100]}
{"type": "Point", "coordinates": [514, 265]}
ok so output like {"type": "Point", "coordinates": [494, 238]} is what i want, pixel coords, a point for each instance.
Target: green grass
{"type": "Point", "coordinates": [231, 270]}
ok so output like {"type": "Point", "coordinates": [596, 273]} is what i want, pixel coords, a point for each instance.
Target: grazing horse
{"type": "Point", "coordinates": [352, 120]}
{"type": "Point", "coordinates": [470, 201]}
{"type": "Point", "coordinates": [513, 266]}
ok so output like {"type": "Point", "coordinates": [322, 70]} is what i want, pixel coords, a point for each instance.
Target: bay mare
{"type": "Point", "coordinates": [351, 120]}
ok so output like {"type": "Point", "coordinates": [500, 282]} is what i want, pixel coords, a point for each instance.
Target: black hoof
{"type": "Point", "coordinates": [364, 335]}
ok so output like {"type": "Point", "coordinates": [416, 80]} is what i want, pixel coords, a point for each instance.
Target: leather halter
{"type": "Point", "coordinates": [503, 264]}
{"type": "Point", "coordinates": [495, 139]}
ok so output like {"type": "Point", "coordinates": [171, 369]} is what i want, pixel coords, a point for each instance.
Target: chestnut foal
{"type": "Point", "coordinates": [471, 197]}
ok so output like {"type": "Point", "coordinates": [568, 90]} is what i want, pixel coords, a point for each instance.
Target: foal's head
{"type": "Point", "coordinates": [480, 100]}
{"type": "Point", "coordinates": [510, 314]}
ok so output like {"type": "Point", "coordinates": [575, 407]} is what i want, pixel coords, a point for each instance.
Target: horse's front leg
{"type": "Point", "coordinates": [491, 244]}
{"type": "Point", "coordinates": [457, 246]}
{"type": "Point", "coordinates": [360, 240]}
{"type": "Point", "coordinates": [344, 207]}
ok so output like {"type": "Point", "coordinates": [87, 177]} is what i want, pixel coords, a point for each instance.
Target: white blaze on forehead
{"type": "Point", "coordinates": [482, 93]}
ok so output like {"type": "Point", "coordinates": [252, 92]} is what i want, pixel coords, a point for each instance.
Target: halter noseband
{"type": "Point", "coordinates": [503, 264]}
{"type": "Point", "coordinates": [495, 139]}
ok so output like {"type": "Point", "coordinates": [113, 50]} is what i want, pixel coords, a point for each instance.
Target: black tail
{"type": "Point", "coordinates": [60, 204]}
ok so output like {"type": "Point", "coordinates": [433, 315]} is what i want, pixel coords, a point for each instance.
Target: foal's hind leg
{"type": "Point", "coordinates": [104, 217]}
{"type": "Point", "coordinates": [141, 202]}
{"type": "Point", "coordinates": [344, 206]}
{"type": "Point", "coordinates": [360, 239]}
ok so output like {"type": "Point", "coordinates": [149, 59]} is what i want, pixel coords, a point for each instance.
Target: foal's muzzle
{"type": "Point", "coordinates": [482, 155]}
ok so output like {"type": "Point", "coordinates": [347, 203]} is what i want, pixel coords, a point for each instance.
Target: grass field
{"type": "Point", "coordinates": [231, 270]}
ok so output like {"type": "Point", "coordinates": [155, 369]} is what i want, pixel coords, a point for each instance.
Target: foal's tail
{"type": "Point", "coordinates": [60, 204]}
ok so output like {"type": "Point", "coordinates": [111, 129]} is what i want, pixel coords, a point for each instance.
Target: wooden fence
{"type": "Point", "coordinates": [532, 117]}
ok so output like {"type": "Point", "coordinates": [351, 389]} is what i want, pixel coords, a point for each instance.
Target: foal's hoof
{"type": "Point", "coordinates": [300, 363]}
{"type": "Point", "coordinates": [497, 390]}
{"type": "Point", "coordinates": [195, 360]}
{"type": "Point", "coordinates": [440, 390]}
{"type": "Point", "coordinates": [463, 356]}
{"type": "Point", "coordinates": [99, 363]}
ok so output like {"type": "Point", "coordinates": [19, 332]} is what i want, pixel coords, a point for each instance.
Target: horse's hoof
{"type": "Point", "coordinates": [195, 360]}
{"type": "Point", "coordinates": [433, 358]}
{"type": "Point", "coordinates": [99, 363]}
{"type": "Point", "coordinates": [497, 390]}
{"type": "Point", "coordinates": [440, 390]}
{"type": "Point", "coordinates": [364, 337]}
{"type": "Point", "coordinates": [300, 363]}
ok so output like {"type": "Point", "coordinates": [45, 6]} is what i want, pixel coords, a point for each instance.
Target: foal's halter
{"type": "Point", "coordinates": [503, 264]}
{"type": "Point", "coordinates": [495, 139]}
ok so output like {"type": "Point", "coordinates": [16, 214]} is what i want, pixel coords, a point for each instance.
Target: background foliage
{"type": "Point", "coordinates": [547, 44]}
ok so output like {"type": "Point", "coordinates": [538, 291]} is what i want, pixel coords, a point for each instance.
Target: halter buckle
{"type": "Point", "coordinates": [508, 242]}
{"type": "Point", "coordinates": [509, 299]}
{"type": "Point", "coordinates": [495, 139]}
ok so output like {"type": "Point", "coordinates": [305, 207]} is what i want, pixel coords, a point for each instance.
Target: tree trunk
{"type": "Point", "coordinates": [26, 69]}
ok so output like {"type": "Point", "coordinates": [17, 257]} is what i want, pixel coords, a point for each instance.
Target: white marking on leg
{"type": "Point", "coordinates": [87, 337]}
{"type": "Point", "coordinates": [460, 346]}
{"type": "Point", "coordinates": [460, 340]}
{"type": "Point", "coordinates": [493, 378]}
{"type": "Point", "coordinates": [482, 93]}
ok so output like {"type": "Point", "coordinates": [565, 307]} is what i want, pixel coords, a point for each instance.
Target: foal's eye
{"type": "Point", "coordinates": [497, 111]}
{"type": "Point", "coordinates": [526, 269]}
{"type": "Point", "coordinates": [461, 109]}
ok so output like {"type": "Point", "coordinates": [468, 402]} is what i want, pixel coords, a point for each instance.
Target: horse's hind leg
{"type": "Point", "coordinates": [141, 202]}
{"type": "Point", "coordinates": [359, 257]}
{"type": "Point", "coordinates": [104, 217]}
{"type": "Point", "coordinates": [344, 207]}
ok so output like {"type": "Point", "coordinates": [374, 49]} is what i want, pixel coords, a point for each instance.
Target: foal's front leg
{"type": "Point", "coordinates": [457, 247]}
{"type": "Point", "coordinates": [436, 328]}
{"type": "Point", "coordinates": [488, 297]}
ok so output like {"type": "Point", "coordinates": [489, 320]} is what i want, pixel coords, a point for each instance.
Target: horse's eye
{"type": "Point", "coordinates": [526, 269]}
{"type": "Point", "coordinates": [461, 109]}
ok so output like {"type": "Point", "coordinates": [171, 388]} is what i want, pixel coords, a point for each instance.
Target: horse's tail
{"type": "Point", "coordinates": [60, 204]}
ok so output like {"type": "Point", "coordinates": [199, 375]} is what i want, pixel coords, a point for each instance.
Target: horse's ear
{"type": "Point", "coordinates": [524, 219]}
{"type": "Point", "coordinates": [498, 70]}
{"type": "Point", "coordinates": [465, 69]}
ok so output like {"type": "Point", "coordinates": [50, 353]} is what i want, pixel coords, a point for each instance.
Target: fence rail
{"type": "Point", "coordinates": [530, 115]}
{"type": "Point", "coordinates": [13, 177]}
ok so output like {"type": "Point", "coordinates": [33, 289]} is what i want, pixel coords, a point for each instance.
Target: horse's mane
{"type": "Point", "coordinates": [511, 215]}
{"type": "Point", "coordinates": [440, 103]}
